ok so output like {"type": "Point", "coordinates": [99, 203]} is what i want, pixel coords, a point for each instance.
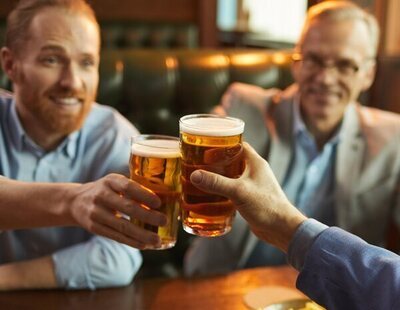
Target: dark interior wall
{"type": "Point", "coordinates": [199, 12]}
{"type": "Point", "coordinates": [171, 10]}
{"type": "Point", "coordinates": [151, 10]}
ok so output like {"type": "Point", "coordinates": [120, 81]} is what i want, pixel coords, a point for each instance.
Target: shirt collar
{"type": "Point", "coordinates": [298, 125]}
{"type": "Point", "coordinates": [300, 128]}
{"type": "Point", "coordinates": [17, 132]}
{"type": "Point", "coordinates": [20, 138]}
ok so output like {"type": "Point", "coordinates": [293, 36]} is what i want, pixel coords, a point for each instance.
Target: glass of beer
{"type": "Point", "coordinates": [212, 143]}
{"type": "Point", "coordinates": [155, 162]}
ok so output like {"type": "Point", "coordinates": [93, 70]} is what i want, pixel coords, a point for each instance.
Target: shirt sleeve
{"type": "Point", "coordinates": [302, 241]}
{"type": "Point", "coordinates": [99, 262]}
{"type": "Point", "coordinates": [341, 271]}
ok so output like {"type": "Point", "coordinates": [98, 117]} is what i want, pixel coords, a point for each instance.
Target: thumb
{"type": "Point", "coordinates": [213, 183]}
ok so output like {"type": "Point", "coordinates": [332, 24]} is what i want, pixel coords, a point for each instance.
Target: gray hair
{"type": "Point", "coordinates": [344, 10]}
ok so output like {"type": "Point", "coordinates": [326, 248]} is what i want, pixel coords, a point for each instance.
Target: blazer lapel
{"type": "Point", "coordinates": [280, 125]}
{"type": "Point", "coordinates": [349, 161]}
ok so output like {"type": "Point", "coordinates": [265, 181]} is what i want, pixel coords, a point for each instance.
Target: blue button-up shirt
{"type": "Point", "coordinates": [102, 146]}
{"type": "Point", "coordinates": [308, 184]}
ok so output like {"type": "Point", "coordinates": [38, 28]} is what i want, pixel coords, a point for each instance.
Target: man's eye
{"type": "Point", "coordinates": [51, 60]}
{"type": "Point", "coordinates": [311, 60]}
{"type": "Point", "coordinates": [347, 66]}
{"type": "Point", "coordinates": [88, 63]}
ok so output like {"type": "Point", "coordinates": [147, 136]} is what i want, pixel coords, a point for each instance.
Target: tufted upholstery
{"type": "Point", "coordinates": [128, 34]}
{"type": "Point", "coordinates": [154, 88]}
{"type": "Point", "coordinates": [148, 35]}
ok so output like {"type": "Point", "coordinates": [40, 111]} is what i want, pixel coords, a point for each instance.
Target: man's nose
{"type": "Point", "coordinates": [70, 77]}
{"type": "Point", "coordinates": [327, 74]}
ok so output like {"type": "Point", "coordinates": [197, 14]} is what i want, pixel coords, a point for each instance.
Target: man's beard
{"type": "Point", "coordinates": [64, 124]}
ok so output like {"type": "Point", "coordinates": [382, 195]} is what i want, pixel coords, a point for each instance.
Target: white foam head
{"type": "Point", "coordinates": [157, 148]}
{"type": "Point", "coordinates": [211, 125]}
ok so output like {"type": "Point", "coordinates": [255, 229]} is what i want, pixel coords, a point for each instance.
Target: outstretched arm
{"type": "Point", "coordinates": [92, 206]}
{"type": "Point", "coordinates": [337, 269]}
{"type": "Point", "coordinates": [98, 262]}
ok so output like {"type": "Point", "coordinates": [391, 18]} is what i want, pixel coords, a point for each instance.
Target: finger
{"type": "Point", "coordinates": [136, 210]}
{"type": "Point", "coordinates": [133, 190]}
{"type": "Point", "coordinates": [214, 183]}
{"type": "Point", "coordinates": [255, 164]}
{"type": "Point", "coordinates": [131, 208]}
{"type": "Point", "coordinates": [250, 153]}
{"type": "Point", "coordinates": [108, 232]}
{"type": "Point", "coordinates": [121, 226]}
{"type": "Point", "coordinates": [219, 110]}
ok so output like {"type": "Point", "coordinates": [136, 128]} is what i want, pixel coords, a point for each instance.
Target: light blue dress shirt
{"type": "Point", "coordinates": [102, 146]}
{"type": "Point", "coordinates": [308, 184]}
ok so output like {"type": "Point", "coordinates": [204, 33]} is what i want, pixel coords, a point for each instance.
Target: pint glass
{"type": "Point", "coordinates": [155, 163]}
{"type": "Point", "coordinates": [212, 143]}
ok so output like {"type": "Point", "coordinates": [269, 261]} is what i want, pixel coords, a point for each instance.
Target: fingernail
{"type": "Point", "coordinates": [196, 177]}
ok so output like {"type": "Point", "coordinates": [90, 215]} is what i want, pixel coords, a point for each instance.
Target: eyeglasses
{"type": "Point", "coordinates": [314, 63]}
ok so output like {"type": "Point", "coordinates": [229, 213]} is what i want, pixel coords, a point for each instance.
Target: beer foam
{"type": "Point", "coordinates": [212, 126]}
{"type": "Point", "coordinates": [158, 148]}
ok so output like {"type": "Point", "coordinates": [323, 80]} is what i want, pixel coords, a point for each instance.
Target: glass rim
{"type": "Point", "coordinates": [236, 129]}
{"type": "Point", "coordinates": [155, 136]}
{"type": "Point", "coordinates": [140, 148]}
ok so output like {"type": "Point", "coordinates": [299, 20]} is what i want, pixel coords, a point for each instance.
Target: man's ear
{"type": "Point", "coordinates": [369, 76]}
{"type": "Point", "coordinates": [8, 63]}
{"type": "Point", "coordinates": [295, 69]}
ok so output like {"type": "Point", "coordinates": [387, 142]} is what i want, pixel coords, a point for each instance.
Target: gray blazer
{"type": "Point", "coordinates": [367, 176]}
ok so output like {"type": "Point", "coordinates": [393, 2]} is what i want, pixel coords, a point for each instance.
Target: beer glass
{"type": "Point", "coordinates": [212, 143]}
{"type": "Point", "coordinates": [155, 162]}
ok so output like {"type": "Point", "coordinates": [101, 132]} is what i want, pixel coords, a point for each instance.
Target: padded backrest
{"type": "Point", "coordinates": [116, 35]}
{"type": "Point", "coordinates": [149, 86]}
{"type": "Point", "coordinates": [153, 88]}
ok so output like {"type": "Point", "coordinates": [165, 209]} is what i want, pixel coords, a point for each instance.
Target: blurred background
{"type": "Point", "coordinates": [218, 23]}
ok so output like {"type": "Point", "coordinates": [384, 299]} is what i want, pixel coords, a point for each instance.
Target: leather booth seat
{"type": "Point", "coordinates": [153, 88]}
{"type": "Point", "coordinates": [151, 35]}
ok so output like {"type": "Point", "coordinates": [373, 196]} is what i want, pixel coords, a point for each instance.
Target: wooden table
{"type": "Point", "coordinates": [209, 293]}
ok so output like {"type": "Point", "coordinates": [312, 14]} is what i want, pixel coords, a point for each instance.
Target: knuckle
{"type": "Point", "coordinates": [122, 227]}
{"type": "Point", "coordinates": [211, 182]}
{"type": "Point", "coordinates": [91, 227]}
{"type": "Point", "coordinates": [96, 199]}
{"type": "Point", "coordinates": [107, 179]}
{"type": "Point", "coordinates": [126, 185]}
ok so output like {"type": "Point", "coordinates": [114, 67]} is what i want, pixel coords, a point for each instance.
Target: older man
{"type": "Point", "coordinates": [335, 160]}
{"type": "Point", "coordinates": [52, 132]}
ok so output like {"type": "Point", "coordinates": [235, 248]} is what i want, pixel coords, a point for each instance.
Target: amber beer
{"type": "Point", "coordinates": [212, 143]}
{"type": "Point", "coordinates": [155, 164]}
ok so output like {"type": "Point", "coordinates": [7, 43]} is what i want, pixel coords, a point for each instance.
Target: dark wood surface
{"type": "Point", "coordinates": [209, 293]}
